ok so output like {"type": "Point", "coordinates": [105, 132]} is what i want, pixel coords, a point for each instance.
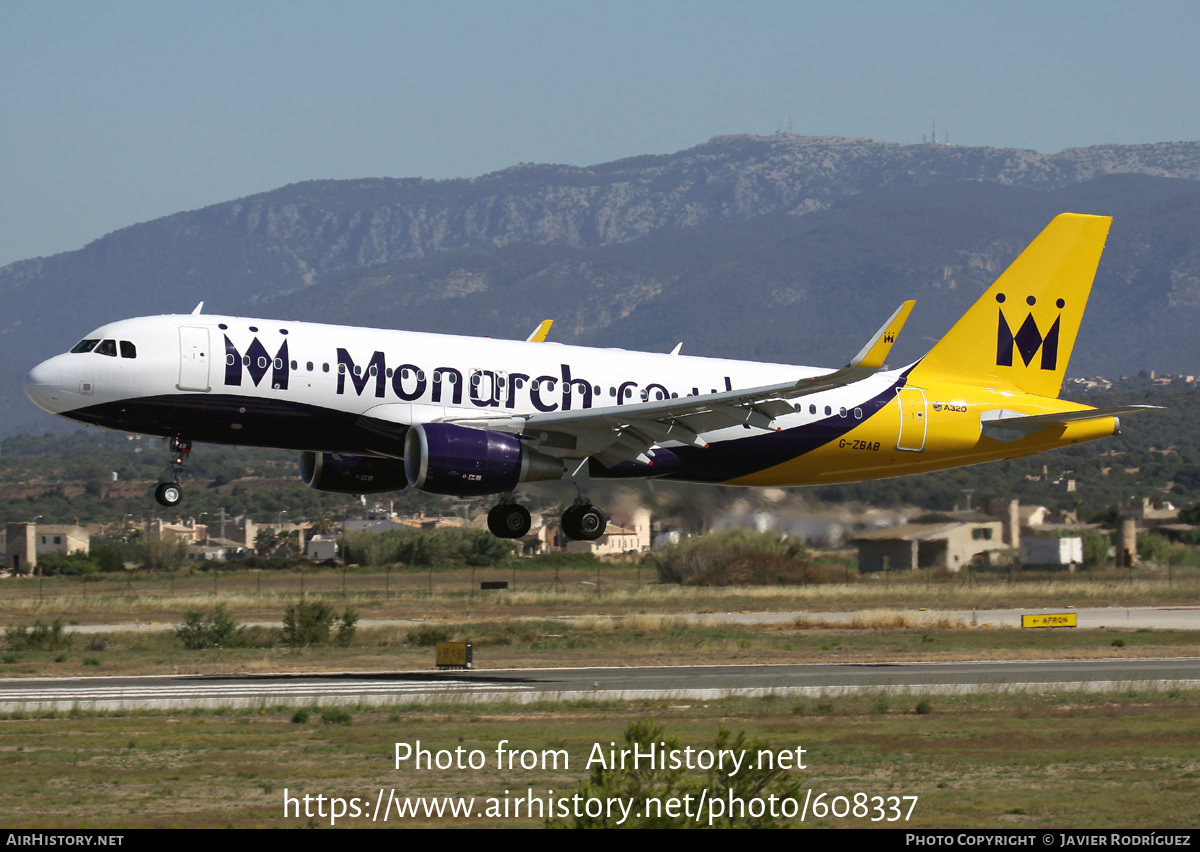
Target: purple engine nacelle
{"type": "Point", "coordinates": [446, 459]}
{"type": "Point", "coordinates": [351, 474]}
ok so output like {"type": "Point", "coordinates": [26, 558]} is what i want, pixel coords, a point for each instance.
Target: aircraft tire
{"type": "Point", "coordinates": [509, 520]}
{"type": "Point", "coordinates": [570, 523]}
{"type": "Point", "coordinates": [168, 494]}
{"type": "Point", "coordinates": [592, 523]}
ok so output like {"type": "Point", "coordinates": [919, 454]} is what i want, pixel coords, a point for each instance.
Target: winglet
{"type": "Point", "coordinates": [874, 354]}
{"type": "Point", "coordinates": [539, 333]}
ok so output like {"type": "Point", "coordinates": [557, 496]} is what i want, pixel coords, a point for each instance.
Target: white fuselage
{"type": "Point", "coordinates": [299, 385]}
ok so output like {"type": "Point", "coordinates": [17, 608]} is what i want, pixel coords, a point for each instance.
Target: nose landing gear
{"type": "Point", "coordinates": [170, 493]}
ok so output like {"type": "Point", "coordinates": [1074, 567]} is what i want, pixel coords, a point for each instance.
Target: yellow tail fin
{"type": "Point", "coordinates": [1021, 331]}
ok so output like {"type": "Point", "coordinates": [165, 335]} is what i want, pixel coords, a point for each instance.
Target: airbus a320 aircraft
{"type": "Point", "coordinates": [373, 410]}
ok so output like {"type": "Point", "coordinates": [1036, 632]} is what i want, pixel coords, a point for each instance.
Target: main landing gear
{"type": "Point", "coordinates": [584, 522]}
{"type": "Point", "coordinates": [170, 493]}
{"type": "Point", "coordinates": [509, 520]}
{"type": "Point", "coordinates": [581, 522]}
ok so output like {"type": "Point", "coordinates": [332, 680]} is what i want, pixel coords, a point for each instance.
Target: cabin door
{"type": "Point", "coordinates": [194, 357]}
{"type": "Point", "coordinates": [913, 417]}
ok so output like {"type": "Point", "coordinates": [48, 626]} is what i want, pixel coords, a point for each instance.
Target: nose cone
{"type": "Point", "coordinates": [43, 386]}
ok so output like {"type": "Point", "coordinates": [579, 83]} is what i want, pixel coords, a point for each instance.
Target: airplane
{"type": "Point", "coordinates": [376, 410]}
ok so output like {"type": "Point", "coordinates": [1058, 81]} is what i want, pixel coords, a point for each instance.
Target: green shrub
{"type": "Point", "coordinates": [427, 637]}
{"type": "Point", "coordinates": [426, 547]}
{"type": "Point", "coordinates": [73, 565]}
{"type": "Point", "coordinates": [662, 783]}
{"type": "Point", "coordinates": [732, 556]}
{"type": "Point", "coordinates": [39, 637]}
{"type": "Point", "coordinates": [347, 626]}
{"type": "Point", "coordinates": [335, 716]}
{"type": "Point", "coordinates": [310, 623]}
{"type": "Point", "coordinates": [218, 630]}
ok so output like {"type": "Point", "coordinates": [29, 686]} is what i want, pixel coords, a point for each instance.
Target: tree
{"type": "Point", "coordinates": [264, 542]}
{"type": "Point", "coordinates": [163, 552]}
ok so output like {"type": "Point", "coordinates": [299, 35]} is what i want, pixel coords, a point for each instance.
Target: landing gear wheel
{"type": "Point", "coordinates": [168, 494]}
{"type": "Point", "coordinates": [509, 520]}
{"type": "Point", "coordinates": [584, 523]}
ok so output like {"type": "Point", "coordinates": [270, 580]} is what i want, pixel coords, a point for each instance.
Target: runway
{"type": "Point", "coordinates": [522, 686]}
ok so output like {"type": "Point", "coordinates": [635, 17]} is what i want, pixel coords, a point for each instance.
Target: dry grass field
{"type": "Point", "coordinates": [999, 760]}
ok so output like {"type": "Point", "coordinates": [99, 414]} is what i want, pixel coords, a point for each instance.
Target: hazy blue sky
{"type": "Point", "coordinates": [117, 112]}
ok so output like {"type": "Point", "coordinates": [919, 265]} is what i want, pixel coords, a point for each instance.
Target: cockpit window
{"type": "Point", "coordinates": [128, 350]}
{"type": "Point", "coordinates": [107, 347]}
{"type": "Point", "coordinates": [85, 345]}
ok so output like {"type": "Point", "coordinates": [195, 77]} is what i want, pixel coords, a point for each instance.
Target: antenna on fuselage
{"type": "Point", "coordinates": [199, 307]}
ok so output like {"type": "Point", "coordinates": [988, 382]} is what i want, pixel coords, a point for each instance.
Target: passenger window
{"type": "Point", "coordinates": [828, 411]}
{"type": "Point", "coordinates": [812, 409]}
{"type": "Point", "coordinates": [85, 345]}
{"type": "Point", "coordinates": [325, 367]}
{"type": "Point", "coordinates": [128, 350]}
{"type": "Point", "coordinates": [107, 347]}
{"type": "Point", "coordinates": [309, 366]}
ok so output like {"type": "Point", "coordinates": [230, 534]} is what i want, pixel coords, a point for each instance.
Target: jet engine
{"type": "Point", "coordinates": [351, 474]}
{"type": "Point", "coordinates": [446, 459]}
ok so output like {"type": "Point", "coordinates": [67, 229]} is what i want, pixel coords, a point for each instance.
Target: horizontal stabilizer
{"type": "Point", "coordinates": [1005, 425]}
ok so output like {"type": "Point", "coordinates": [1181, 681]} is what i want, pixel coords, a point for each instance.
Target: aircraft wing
{"type": "Point", "coordinates": [628, 432]}
{"type": "Point", "coordinates": [539, 333]}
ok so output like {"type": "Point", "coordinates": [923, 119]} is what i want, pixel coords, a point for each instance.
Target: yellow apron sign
{"type": "Point", "coordinates": [1050, 619]}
